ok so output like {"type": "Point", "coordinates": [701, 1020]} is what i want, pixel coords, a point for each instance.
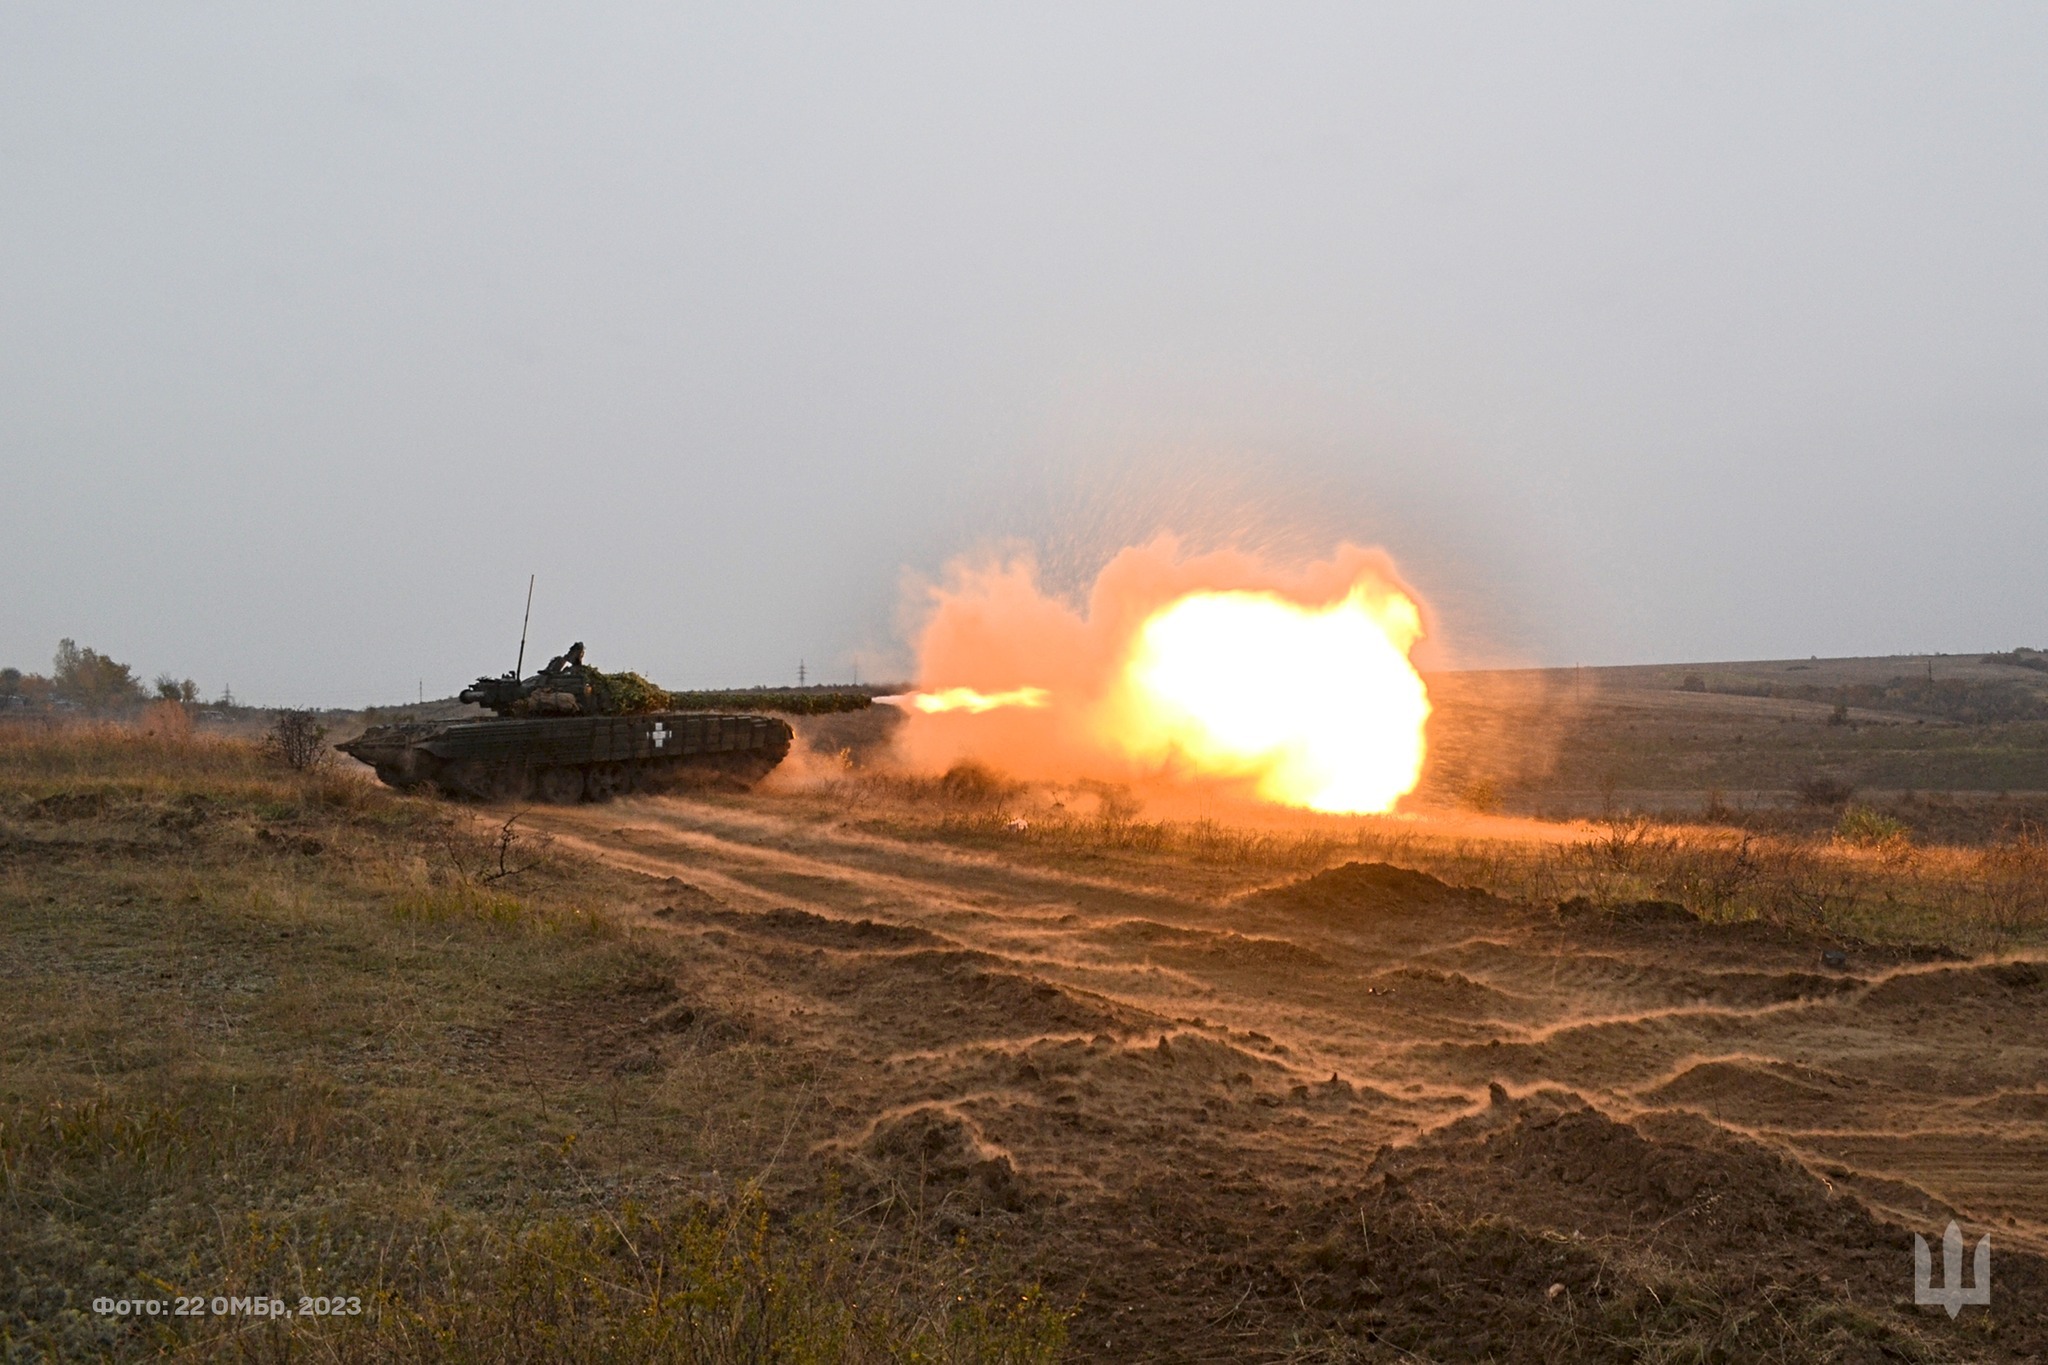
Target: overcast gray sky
{"type": "Point", "coordinates": [1634, 332]}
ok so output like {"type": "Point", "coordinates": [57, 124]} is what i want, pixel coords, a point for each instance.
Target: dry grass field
{"type": "Point", "coordinates": [291, 1035]}
{"type": "Point", "coordinates": [1958, 745]}
{"type": "Point", "coordinates": [861, 1064]}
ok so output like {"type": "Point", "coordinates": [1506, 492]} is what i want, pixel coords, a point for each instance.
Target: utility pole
{"type": "Point", "coordinates": [799, 672]}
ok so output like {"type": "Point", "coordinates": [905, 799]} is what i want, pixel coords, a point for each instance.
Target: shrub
{"type": "Point", "coordinates": [297, 741]}
{"type": "Point", "coordinates": [1867, 828]}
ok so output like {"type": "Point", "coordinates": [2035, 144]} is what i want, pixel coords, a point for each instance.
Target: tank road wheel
{"type": "Point", "coordinates": [480, 781]}
{"type": "Point", "coordinates": [465, 778]}
{"type": "Point", "coordinates": [559, 786]}
{"type": "Point", "coordinates": [606, 780]}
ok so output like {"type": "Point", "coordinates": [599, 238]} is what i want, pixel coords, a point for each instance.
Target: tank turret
{"type": "Point", "coordinates": [566, 687]}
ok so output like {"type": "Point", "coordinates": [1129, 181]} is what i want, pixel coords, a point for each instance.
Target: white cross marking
{"type": "Point", "coordinates": [661, 734]}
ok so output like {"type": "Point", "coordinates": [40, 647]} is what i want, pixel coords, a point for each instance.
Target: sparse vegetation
{"type": "Point", "coordinates": [281, 1032]}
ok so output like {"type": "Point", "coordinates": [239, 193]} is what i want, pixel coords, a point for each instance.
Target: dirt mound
{"type": "Point", "coordinates": [1203, 1192]}
{"type": "Point", "coordinates": [1148, 932]}
{"type": "Point", "coordinates": [933, 993]}
{"type": "Point", "coordinates": [1759, 1092]}
{"type": "Point", "coordinates": [801, 926]}
{"type": "Point", "coordinates": [684, 898]}
{"type": "Point", "coordinates": [1729, 1199]}
{"type": "Point", "coordinates": [1440, 991]}
{"type": "Point", "coordinates": [1740, 989]}
{"type": "Point", "coordinates": [1999, 985]}
{"type": "Point", "coordinates": [1556, 1228]}
{"type": "Point", "coordinates": [1211, 1058]}
{"type": "Point", "coordinates": [693, 904]}
{"type": "Point", "coordinates": [1173, 943]}
{"type": "Point", "coordinates": [1361, 885]}
{"type": "Point", "coordinates": [1403, 909]}
{"type": "Point", "coordinates": [934, 1156]}
{"type": "Point", "coordinates": [1269, 952]}
{"type": "Point", "coordinates": [705, 1028]}
{"type": "Point", "coordinates": [636, 1030]}
{"type": "Point", "coordinates": [86, 805]}
{"type": "Point", "coordinates": [2025, 1106]}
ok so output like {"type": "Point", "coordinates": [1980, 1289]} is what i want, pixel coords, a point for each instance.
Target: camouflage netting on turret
{"type": "Point", "coordinates": [627, 694]}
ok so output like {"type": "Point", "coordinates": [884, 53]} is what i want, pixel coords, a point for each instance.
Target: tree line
{"type": "Point", "coordinates": [87, 680]}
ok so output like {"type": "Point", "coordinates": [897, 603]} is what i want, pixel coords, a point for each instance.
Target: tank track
{"type": "Point", "coordinates": [565, 784]}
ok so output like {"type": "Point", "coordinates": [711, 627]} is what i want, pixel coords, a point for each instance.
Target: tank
{"type": "Point", "coordinates": [571, 733]}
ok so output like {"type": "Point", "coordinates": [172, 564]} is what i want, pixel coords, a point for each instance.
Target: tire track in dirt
{"type": "Point", "coordinates": [1022, 1043]}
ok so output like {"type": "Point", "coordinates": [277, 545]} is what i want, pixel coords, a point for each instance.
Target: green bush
{"type": "Point", "coordinates": [1867, 828]}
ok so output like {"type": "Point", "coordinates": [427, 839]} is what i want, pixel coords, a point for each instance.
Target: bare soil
{"type": "Point", "coordinates": [1361, 1113]}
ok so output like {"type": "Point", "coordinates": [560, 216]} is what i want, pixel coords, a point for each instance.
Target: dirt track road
{"type": "Point", "coordinates": [1362, 1110]}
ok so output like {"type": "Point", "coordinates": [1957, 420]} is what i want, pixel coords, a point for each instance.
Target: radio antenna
{"type": "Point", "coordinates": [516, 668]}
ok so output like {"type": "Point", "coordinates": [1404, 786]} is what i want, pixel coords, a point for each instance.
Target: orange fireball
{"type": "Point", "coordinates": [1290, 684]}
{"type": "Point", "coordinates": [1221, 682]}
